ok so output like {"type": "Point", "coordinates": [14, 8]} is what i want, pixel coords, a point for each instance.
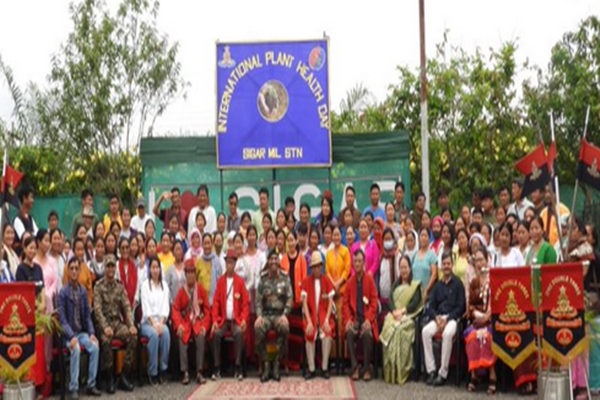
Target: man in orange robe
{"type": "Point", "coordinates": [359, 313]}
{"type": "Point", "coordinates": [191, 319]}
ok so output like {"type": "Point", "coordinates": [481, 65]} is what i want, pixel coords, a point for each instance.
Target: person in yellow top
{"type": "Point", "coordinates": [337, 268]}
{"type": "Point", "coordinates": [114, 213]}
{"type": "Point", "coordinates": [86, 277]}
{"type": "Point", "coordinates": [165, 255]}
{"type": "Point", "coordinates": [548, 215]}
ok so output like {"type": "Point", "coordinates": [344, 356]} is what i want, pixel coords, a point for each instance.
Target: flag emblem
{"type": "Point", "coordinates": [593, 169]}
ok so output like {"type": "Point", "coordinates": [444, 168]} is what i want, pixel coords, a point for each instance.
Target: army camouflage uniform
{"type": "Point", "coordinates": [274, 298]}
{"type": "Point", "coordinates": [112, 309]}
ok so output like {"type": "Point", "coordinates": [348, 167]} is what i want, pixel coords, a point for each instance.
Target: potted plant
{"type": "Point", "coordinates": [20, 386]}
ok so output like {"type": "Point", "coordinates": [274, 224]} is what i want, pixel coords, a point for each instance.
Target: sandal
{"type": "Point", "coordinates": [472, 385]}
{"type": "Point", "coordinates": [491, 387]}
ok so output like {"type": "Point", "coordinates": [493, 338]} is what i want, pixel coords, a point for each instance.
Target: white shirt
{"type": "Point", "coordinates": [317, 292]}
{"type": "Point", "coordinates": [242, 269]}
{"type": "Point", "coordinates": [20, 228]}
{"type": "Point", "coordinates": [229, 307]}
{"type": "Point", "coordinates": [139, 224]}
{"type": "Point", "coordinates": [142, 275]}
{"type": "Point", "coordinates": [513, 259]}
{"type": "Point", "coordinates": [385, 279]}
{"type": "Point", "coordinates": [515, 208]}
{"type": "Point", "coordinates": [155, 302]}
{"type": "Point", "coordinates": [209, 214]}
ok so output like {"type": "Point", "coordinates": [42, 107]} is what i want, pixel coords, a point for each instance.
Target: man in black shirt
{"type": "Point", "coordinates": [446, 306]}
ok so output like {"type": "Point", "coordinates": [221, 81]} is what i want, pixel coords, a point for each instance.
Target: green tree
{"type": "Point", "coordinates": [359, 112]}
{"type": "Point", "coordinates": [113, 77]}
{"type": "Point", "coordinates": [476, 128]}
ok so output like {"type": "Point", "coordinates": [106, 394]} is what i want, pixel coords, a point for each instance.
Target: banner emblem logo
{"type": "Point", "coordinates": [226, 61]}
{"type": "Point", "coordinates": [273, 101]}
{"type": "Point", "coordinates": [316, 59]}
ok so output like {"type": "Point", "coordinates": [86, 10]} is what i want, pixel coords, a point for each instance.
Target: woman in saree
{"type": "Point", "coordinates": [398, 332]}
{"type": "Point", "coordinates": [478, 336]}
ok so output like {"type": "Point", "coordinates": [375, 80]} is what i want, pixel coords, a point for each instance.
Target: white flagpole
{"type": "Point", "coordinates": [555, 189]}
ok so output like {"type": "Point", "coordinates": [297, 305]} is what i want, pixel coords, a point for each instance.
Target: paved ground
{"type": "Point", "coordinates": [374, 390]}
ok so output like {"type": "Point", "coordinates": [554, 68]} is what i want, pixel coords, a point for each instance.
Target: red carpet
{"type": "Point", "coordinates": [336, 388]}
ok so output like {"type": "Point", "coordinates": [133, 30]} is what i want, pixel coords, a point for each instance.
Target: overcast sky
{"type": "Point", "coordinates": [368, 39]}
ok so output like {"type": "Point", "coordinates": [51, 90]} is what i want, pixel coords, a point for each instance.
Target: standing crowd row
{"type": "Point", "coordinates": [349, 280]}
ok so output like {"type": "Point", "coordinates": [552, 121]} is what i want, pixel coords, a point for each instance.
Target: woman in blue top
{"type": "Point", "coordinates": [424, 264]}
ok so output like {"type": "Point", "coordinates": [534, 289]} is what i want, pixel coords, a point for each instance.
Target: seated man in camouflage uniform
{"type": "Point", "coordinates": [114, 320]}
{"type": "Point", "coordinates": [274, 302]}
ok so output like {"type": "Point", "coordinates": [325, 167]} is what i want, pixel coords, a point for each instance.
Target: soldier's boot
{"type": "Point", "coordinates": [266, 372]}
{"type": "Point", "coordinates": [276, 375]}
{"type": "Point", "coordinates": [110, 385]}
{"type": "Point", "coordinates": [124, 384]}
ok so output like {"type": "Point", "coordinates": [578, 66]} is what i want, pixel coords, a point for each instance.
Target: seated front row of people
{"type": "Point", "coordinates": [195, 320]}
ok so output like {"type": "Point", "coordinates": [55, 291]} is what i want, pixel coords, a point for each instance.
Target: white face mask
{"type": "Point", "coordinates": [388, 245]}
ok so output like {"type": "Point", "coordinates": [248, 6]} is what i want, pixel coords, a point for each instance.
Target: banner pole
{"type": "Point", "coordinates": [587, 118]}
{"type": "Point", "coordinates": [534, 267]}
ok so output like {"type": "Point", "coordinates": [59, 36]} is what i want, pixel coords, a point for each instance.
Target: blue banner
{"type": "Point", "coordinates": [273, 105]}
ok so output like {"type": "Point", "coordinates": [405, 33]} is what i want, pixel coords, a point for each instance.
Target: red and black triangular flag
{"type": "Point", "coordinates": [10, 180]}
{"type": "Point", "coordinates": [535, 168]}
{"type": "Point", "coordinates": [588, 168]}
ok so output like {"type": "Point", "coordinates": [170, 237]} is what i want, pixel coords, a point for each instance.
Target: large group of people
{"type": "Point", "coordinates": [348, 280]}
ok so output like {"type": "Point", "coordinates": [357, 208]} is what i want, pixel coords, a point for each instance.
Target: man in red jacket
{"type": "Point", "coordinates": [231, 308]}
{"type": "Point", "coordinates": [317, 303]}
{"type": "Point", "coordinates": [191, 319]}
{"type": "Point", "coordinates": [359, 313]}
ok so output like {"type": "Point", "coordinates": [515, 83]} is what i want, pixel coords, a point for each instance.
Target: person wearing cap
{"type": "Point", "coordinates": [87, 200]}
{"type": "Point", "coordinates": [359, 315]}
{"type": "Point", "coordinates": [230, 312]}
{"type": "Point", "coordinates": [191, 320]}
{"type": "Point", "coordinates": [114, 321]}
{"type": "Point", "coordinates": [138, 222]}
{"type": "Point", "coordinates": [317, 304]}
{"type": "Point", "coordinates": [274, 301]}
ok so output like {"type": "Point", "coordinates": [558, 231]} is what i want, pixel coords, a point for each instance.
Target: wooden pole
{"type": "Point", "coordinates": [587, 118]}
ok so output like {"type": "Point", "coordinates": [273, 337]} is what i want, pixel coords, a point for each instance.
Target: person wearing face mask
{"type": "Point", "coordinates": [388, 270]}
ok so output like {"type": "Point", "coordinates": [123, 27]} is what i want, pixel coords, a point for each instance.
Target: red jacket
{"type": "Point", "coordinates": [325, 297]}
{"type": "Point", "coordinates": [300, 272]}
{"type": "Point", "coordinates": [369, 306]}
{"type": "Point", "coordinates": [180, 316]}
{"type": "Point", "coordinates": [241, 301]}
